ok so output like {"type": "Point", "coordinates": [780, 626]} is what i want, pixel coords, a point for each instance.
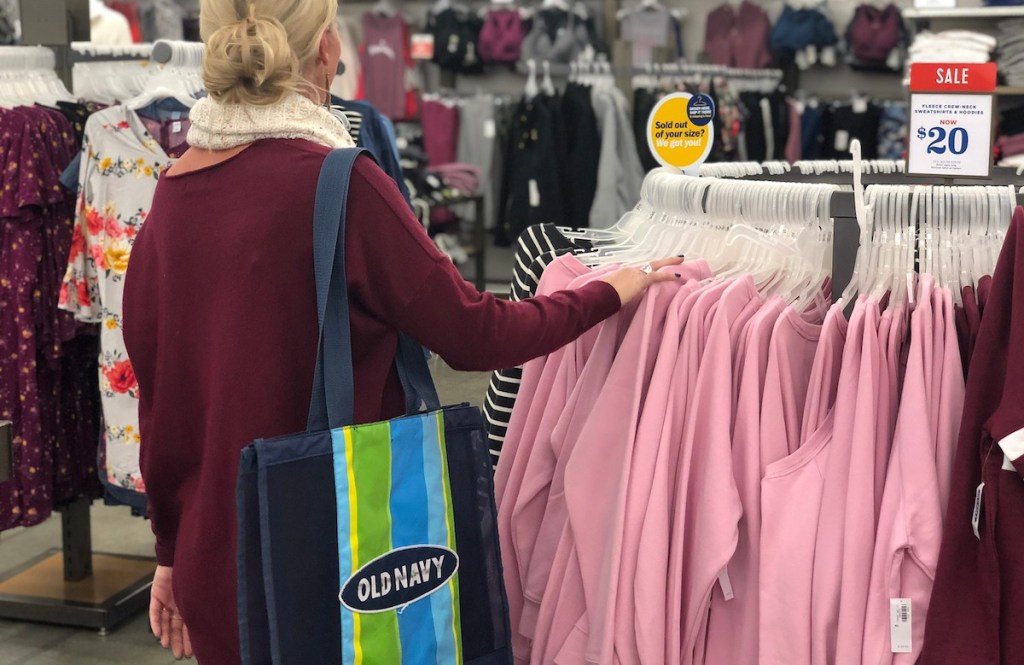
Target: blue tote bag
{"type": "Point", "coordinates": [371, 544]}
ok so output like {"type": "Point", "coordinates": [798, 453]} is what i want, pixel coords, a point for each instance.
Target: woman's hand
{"type": "Point", "coordinates": [632, 283]}
{"type": "Point", "coordinates": [164, 619]}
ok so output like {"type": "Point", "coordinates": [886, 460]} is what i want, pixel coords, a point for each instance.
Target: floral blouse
{"type": "Point", "coordinates": [121, 162]}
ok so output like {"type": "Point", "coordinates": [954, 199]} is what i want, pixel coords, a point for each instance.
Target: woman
{"type": "Point", "coordinates": [219, 309]}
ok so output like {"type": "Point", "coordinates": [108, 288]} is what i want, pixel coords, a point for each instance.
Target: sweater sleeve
{"type": "Point", "coordinates": [160, 465]}
{"type": "Point", "coordinates": [396, 273]}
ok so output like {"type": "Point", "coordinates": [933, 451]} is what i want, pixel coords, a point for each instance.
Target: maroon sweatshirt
{"type": "Point", "coordinates": [977, 605]}
{"type": "Point", "coordinates": [220, 324]}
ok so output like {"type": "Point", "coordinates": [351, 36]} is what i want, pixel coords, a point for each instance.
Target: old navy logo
{"type": "Point", "coordinates": [399, 578]}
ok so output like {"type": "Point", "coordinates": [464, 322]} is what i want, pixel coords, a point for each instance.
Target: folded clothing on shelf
{"type": "Point", "coordinates": [952, 46]}
{"type": "Point", "coordinates": [1010, 51]}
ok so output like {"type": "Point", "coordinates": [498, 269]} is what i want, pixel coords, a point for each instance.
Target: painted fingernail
{"type": "Point", "coordinates": [677, 275]}
{"type": "Point", "coordinates": [681, 256]}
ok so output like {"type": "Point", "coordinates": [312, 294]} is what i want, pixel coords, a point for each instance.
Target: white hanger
{"type": "Point", "coordinates": [531, 82]}
{"type": "Point", "coordinates": [547, 84]}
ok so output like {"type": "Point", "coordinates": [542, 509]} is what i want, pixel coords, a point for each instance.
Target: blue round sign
{"type": "Point", "coordinates": [701, 109]}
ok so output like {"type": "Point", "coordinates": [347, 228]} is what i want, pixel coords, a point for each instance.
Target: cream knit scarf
{"type": "Point", "coordinates": [217, 126]}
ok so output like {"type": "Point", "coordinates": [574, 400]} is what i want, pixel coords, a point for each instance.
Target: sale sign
{"type": "Point", "coordinates": [951, 110]}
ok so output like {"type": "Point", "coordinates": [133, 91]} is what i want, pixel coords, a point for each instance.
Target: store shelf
{"type": "Point", "coordinates": [964, 13]}
{"type": "Point", "coordinates": [1007, 91]}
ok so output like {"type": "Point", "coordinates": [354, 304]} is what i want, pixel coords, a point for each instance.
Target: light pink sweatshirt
{"type": "Point", "coordinates": [706, 503]}
{"type": "Point", "coordinates": [791, 496]}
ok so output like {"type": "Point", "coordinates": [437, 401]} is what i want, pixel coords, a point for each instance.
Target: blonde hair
{"type": "Point", "coordinates": [255, 49]}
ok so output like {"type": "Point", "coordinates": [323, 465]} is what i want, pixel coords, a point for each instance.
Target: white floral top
{"type": "Point", "coordinates": [121, 163]}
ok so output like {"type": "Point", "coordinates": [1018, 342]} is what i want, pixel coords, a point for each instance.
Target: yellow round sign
{"type": "Point", "coordinates": [680, 132]}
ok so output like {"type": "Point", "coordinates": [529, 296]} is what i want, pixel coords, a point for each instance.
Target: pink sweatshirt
{"type": "Point", "coordinates": [602, 444]}
{"type": "Point", "coordinates": [871, 451]}
{"type": "Point", "coordinates": [904, 566]}
{"type": "Point", "coordinates": [542, 474]}
{"type": "Point", "coordinates": [548, 527]}
{"type": "Point", "coordinates": [639, 628]}
{"type": "Point", "coordinates": [952, 393]}
{"type": "Point", "coordinates": [849, 480]}
{"type": "Point", "coordinates": [732, 634]}
{"type": "Point", "coordinates": [706, 503]}
{"type": "Point", "coordinates": [791, 502]}
{"type": "Point", "coordinates": [525, 423]}
{"type": "Point", "coordinates": [596, 518]}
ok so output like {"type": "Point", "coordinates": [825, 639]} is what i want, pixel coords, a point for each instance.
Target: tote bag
{"type": "Point", "coordinates": [374, 543]}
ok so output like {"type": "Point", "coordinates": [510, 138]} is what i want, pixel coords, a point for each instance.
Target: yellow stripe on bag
{"type": "Point", "coordinates": [354, 537]}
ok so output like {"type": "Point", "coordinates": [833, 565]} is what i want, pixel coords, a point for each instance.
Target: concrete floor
{"type": "Point", "coordinates": [115, 530]}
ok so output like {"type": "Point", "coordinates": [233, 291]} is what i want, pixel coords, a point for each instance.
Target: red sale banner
{"type": "Point", "coordinates": [952, 77]}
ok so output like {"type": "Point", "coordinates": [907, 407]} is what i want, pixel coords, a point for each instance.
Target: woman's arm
{"type": "Point", "coordinates": [397, 273]}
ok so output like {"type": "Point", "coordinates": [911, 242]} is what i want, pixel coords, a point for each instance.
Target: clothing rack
{"type": "Point", "coordinates": [843, 209]}
{"type": "Point", "coordinates": [71, 586]}
{"type": "Point", "coordinates": [843, 205]}
{"type": "Point", "coordinates": [89, 52]}
{"type": "Point", "coordinates": [178, 53]}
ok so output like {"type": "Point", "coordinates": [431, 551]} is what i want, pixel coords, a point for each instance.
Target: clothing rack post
{"type": "Point", "coordinates": [56, 23]}
{"type": "Point", "coordinates": [71, 586]}
{"type": "Point", "coordinates": [6, 452]}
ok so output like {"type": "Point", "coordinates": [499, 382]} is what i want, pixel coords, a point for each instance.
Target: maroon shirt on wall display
{"type": "Point", "coordinates": [220, 322]}
{"type": "Point", "coordinates": [738, 37]}
{"type": "Point", "coordinates": [978, 600]}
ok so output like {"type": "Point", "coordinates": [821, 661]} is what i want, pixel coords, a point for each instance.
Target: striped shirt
{"type": "Point", "coordinates": [536, 248]}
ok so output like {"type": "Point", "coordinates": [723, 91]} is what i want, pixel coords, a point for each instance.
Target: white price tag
{"type": "Point", "coordinates": [976, 514]}
{"type": "Point", "coordinates": [490, 129]}
{"type": "Point", "coordinates": [726, 584]}
{"type": "Point", "coordinates": [534, 194]}
{"type": "Point", "coordinates": [950, 135]}
{"type": "Point", "coordinates": [176, 127]}
{"type": "Point", "coordinates": [900, 632]}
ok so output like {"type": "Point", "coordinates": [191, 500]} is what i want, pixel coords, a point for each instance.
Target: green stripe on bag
{"type": "Point", "coordinates": [370, 461]}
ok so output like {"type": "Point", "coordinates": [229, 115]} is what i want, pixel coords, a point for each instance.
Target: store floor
{"type": "Point", "coordinates": [114, 530]}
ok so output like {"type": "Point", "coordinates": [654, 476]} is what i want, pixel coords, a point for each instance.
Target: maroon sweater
{"type": "Point", "coordinates": [220, 323]}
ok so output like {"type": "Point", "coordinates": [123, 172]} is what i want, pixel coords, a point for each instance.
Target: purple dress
{"type": "Point", "coordinates": [41, 359]}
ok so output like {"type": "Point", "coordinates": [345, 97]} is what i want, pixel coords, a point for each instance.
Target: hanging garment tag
{"type": "Point", "coordinates": [1008, 464]}
{"type": "Point", "coordinates": [900, 631]}
{"type": "Point", "coordinates": [976, 515]}
{"type": "Point", "coordinates": [534, 194]}
{"type": "Point", "coordinates": [726, 584]}
{"type": "Point", "coordinates": [176, 127]}
{"type": "Point", "coordinates": [842, 143]}
{"type": "Point", "coordinates": [860, 105]}
{"type": "Point", "coordinates": [490, 129]}
{"type": "Point", "coordinates": [893, 61]}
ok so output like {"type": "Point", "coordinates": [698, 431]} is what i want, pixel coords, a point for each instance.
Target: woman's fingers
{"type": "Point", "coordinates": [154, 617]}
{"type": "Point", "coordinates": [165, 628]}
{"type": "Point", "coordinates": [663, 263]}
{"type": "Point", "coordinates": [177, 638]}
{"type": "Point", "coordinates": [663, 276]}
{"type": "Point", "coordinates": [188, 641]}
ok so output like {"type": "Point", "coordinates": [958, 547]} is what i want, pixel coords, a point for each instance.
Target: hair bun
{"type": "Point", "coordinates": [250, 61]}
{"type": "Point", "coordinates": [256, 49]}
